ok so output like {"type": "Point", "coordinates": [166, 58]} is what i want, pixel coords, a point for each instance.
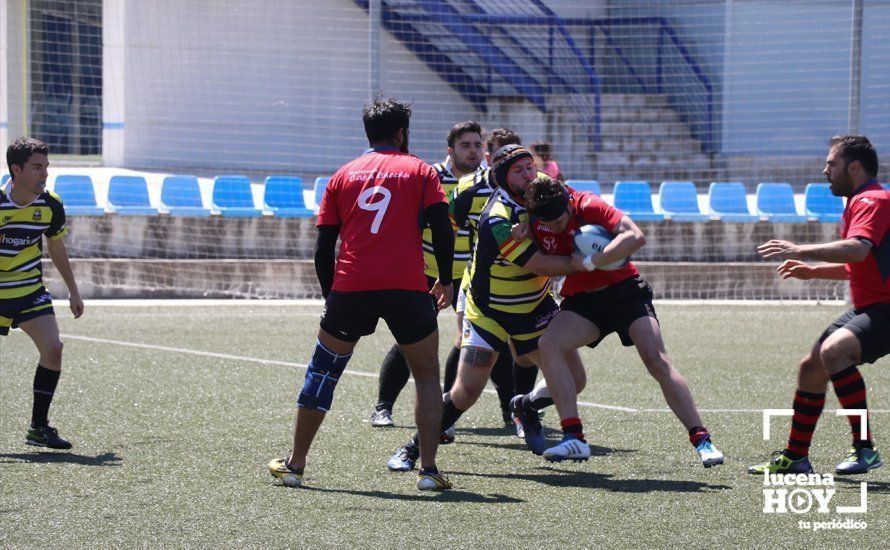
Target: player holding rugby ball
{"type": "Point", "coordinates": [595, 304]}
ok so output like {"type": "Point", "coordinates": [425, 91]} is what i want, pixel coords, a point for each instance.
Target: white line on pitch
{"type": "Point", "coordinates": [244, 358]}
{"type": "Point", "coordinates": [230, 357]}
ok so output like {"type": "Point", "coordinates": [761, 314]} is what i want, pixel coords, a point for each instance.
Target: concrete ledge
{"type": "Point", "coordinates": [295, 279]}
{"type": "Point", "coordinates": [165, 237]}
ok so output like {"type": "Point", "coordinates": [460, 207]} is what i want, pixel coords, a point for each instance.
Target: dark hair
{"type": "Point", "coordinates": [20, 150]}
{"type": "Point", "coordinates": [383, 117]}
{"type": "Point", "coordinates": [462, 128]}
{"type": "Point", "coordinates": [546, 198]}
{"type": "Point", "coordinates": [854, 148]}
{"type": "Point", "coordinates": [500, 137]}
{"type": "Point", "coordinates": [541, 148]}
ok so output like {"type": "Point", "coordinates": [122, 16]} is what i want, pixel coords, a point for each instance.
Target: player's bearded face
{"type": "Point", "coordinates": [467, 153]}
{"type": "Point", "coordinates": [837, 174]}
{"type": "Point", "coordinates": [520, 175]}
{"type": "Point", "coordinates": [403, 147]}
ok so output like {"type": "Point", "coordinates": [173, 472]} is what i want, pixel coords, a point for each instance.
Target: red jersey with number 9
{"type": "Point", "coordinates": [378, 201]}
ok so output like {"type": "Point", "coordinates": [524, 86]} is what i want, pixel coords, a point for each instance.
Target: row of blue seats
{"type": "Point", "coordinates": [726, 201]}
{"type": "Point", "coordinates": [283, 197]}
{"type": "Point", "coordinates": [181, 196]}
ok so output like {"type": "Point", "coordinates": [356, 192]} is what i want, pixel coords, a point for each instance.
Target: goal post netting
{"type": "Point", "coordinates": [622, 90]}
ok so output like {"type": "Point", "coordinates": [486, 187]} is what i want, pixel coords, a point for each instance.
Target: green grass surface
{"type": "Point", "coordinates": [171, 447]}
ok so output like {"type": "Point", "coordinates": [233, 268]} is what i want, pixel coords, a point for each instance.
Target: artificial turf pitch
{"type": "Point", "coordinates": [176, 410]}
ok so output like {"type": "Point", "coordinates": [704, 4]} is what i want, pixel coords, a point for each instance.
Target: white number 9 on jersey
{"type": "Point", "coordinates": [380, 206]}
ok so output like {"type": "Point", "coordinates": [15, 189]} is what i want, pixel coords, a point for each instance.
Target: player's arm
{"type": "Point", "coordinates": [58, 253]}
{"type": "Point", "coordinates": [524, 252]}
{"type": "Point", "coordinates": [325, 260]}
{"type": "Point", "coordinates": [628, 239]}
{"type": "Point", "coordinates": [846, 251]}
{"type": "Point", "coordinates": [795, 269]}
{"type": "Point", "coordinates": [552, 265]}
{"type": "Point", "coordinates": [437, 218]}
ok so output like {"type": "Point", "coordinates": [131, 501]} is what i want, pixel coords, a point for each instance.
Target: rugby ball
{"type": "Point", "coordinates": [592, 239]}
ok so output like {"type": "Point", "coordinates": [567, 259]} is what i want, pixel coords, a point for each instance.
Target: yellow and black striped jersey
{"type": "Point", "coordinates": [461, 241]}
{"type": "Point", "coordinates": [22, 228]}
{"type": "Point", "coordinates": [465, 204]}
{"type": "Point", "coordinates": [498, 281]}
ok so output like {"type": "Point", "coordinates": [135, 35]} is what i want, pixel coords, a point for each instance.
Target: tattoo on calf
{"type": "Point", "coordinates": [478, 357]}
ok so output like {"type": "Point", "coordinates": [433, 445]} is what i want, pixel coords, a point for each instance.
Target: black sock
{"type": "Point", "coordinates": [502, 378]}
{"type": "Point", "coordinates": [450, 413]}
{"type": "Point", "coordinates": [451, 368]}
{"type": "Point", "coordinates": [45, 382]}
{"type": "Point", "coordinates": [524, 378]}
{"type": "Point", "coordinates": [394, 374]}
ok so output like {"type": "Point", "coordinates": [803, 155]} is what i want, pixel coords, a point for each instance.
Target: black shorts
{"type": "Point", "coordinates": [615, 308]}
{"type": "Point", "coordinates": [871, 325]}
{"type": "Point", "coordinates": [409, 314]}
{"type": "Point", "coordinates": [18, 310]}
{"type": "Point", "coordinates": [430, 281]}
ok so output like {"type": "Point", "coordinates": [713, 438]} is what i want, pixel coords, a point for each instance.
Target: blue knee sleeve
{"type": "Point", "coordinates": [322, 375]}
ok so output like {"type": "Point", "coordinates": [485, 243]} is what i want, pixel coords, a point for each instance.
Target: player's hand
{"type": "Point", "coordinates": [782, 250]}
{"type": "Point", "coordinates": [76, 304]}
{"type": "Point", "coordinates": [578, 263]}
{"type": "Point", "coordinates": [795, 269]}
{"type": "Point", "coordinates": [443, 294]}
{"type": "Point", "coordinates": [519, 231]}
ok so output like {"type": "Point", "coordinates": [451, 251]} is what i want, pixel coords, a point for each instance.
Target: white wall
{"type": "Point", "coordinates": [221, 85]}
{"type": "Point", "coordinates": [786, 76]}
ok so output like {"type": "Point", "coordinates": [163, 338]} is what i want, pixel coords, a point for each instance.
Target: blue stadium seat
{"type": "Point", "coordinates": [4, 179]}
{"type": "Point", "coordinates": [679, 201]}
{"type": "Point", "coordinates": [283, 196]}
{"type": "Point", "coordinates": [78, 195]}
{"type": "Point", "coordinates": [129, 195]}
{"type": "Point", "coordinates": [181, 196]}
{"type": "Point", "coordinates": [232, 197]}
{"type": "Point", "coordinates": [775, 202]}
{"type": "Point", "coordinates": [634, 198]}
{"type": "Point", "coordinates": [320, 185]}
{"type": "Point", "coordinates": [728, 202]}
{"type": "Point", "coordinates": [591, 186]}
{"type": "Point", "coordinates": [886, 185]}
{"type": "Point", "coordinates": [821, 205]}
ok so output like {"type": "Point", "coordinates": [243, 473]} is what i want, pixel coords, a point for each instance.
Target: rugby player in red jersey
{"type": "Point", "coordinates": [378, 205]}
{"type": "Point", "coordinates": [862, 334]}
{"type": "Point", "coordinates": [595, 304]}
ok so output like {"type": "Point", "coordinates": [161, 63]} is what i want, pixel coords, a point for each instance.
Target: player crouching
{"type": "Point", "coordinates": [595, 304]}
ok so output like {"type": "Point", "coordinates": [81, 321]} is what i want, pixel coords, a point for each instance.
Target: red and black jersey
{"type": "Point", "coordinates": [867, 217]}
{"type": "Point", "coordinates": [589, 209]}
{"type": "Point", "coordinates": [378, 201]}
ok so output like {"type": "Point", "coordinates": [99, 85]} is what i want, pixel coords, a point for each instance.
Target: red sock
{"type": "Point", "coordinates": [807, 409]}
{"type": "Point", "coordinates": [696, 434]}
{"type": "Point", "coordinates": [850, 389]}
{"type": "Point", "coordinates": [572, 426]}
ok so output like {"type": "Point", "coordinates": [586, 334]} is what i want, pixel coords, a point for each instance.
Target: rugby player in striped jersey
{"type": "Point", "coordinates": [28, 212]}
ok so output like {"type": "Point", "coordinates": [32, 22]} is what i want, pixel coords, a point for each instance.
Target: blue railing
{"type": "Point", "coordinates": [538, 54]}
{"type": "Point", "coordinates": [667, 67]}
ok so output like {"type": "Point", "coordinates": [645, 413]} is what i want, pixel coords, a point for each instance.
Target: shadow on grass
{"type": "Point", "coordinates": [519, 445]}
{"type": "Point", "coordinates": [45, 457]}
{"type": "Point", "coordinates": [873, 486]}
{"type": "Point", "coordinates": [592, 480]}
{"type": "Point", "coordinates": [445, 496]}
